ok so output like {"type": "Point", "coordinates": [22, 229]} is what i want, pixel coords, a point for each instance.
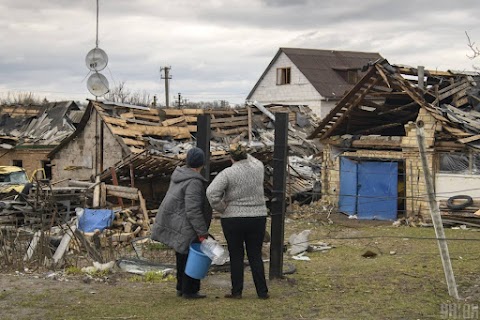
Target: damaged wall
{"type": "Point", "coordinates": [80, 158]}
{"type": "Point", "coordinates": [416, 203]}
{"type": "Point", "coordinates": [32, 159]}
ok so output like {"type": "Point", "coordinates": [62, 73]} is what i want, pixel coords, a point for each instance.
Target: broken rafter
{"type": "Point", "coordinates": [401, 108]}
{"type": "Point", "coordinates": [377, 129]}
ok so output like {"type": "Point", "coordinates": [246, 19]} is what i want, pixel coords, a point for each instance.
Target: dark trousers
{"type": "Point", "coordinates": [185, 284]}
{"type": "Point", "coordinates": [248, 231]}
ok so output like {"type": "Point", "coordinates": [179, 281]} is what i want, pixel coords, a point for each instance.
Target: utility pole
{"type": "Point", "coordinates": [436, 217]}
{"type": "Point", "coordinates": [167, 77]}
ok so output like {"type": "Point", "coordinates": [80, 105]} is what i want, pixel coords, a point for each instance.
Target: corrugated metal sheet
{"type": "Point", "coordinates": [37, 125]}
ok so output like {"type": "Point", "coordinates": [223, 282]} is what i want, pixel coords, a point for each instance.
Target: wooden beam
{"type": "Point", "coordinates": [469, 139]}
{"type": "Point", "coordinates": [401, 108]}
{"type": "Point", "coordinates": [143, 207]}
{"type": "Point", "coordinates": [115, 182]}
{"type": "Point", "coordinates": [377, 128]}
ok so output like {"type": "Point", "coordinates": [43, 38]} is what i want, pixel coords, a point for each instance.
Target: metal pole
{"type": "Point", "coordinates": [436, 218]}
{"type": "Point", "coordinates": [280, 153]}
{"type": "Point", "coordinates": [421, 76]}
{"type": "Point", "coordinates": [203, 142]}
{"type": "Point", "coordinates": [167, 77]}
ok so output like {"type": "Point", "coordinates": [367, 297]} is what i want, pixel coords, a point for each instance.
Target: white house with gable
{"type": "Point", "coordinates": [310, 77]}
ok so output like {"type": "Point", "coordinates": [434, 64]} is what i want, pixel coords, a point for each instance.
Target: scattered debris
{"type": "Point", "coordinates": [299, 242]}
{"type": "Point", "coordinates": [301, 257]}
{"type": "Point", "coordinates": [141, 267]}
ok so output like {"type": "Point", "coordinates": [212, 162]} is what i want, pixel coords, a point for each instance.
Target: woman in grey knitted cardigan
{"type": "Point", "coordinates": [237, 193]}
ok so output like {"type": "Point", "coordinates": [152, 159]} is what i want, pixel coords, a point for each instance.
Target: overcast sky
{"type": "Point", "coordinates": [217, 48]}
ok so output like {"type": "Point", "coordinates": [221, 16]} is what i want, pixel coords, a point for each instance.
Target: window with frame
{"type": "Point", "coordinates": [353, 76]}
{"type": "Point", "coordinates": [283, 76]}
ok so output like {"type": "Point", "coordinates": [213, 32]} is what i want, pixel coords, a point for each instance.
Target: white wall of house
{"type": "Point", "coordinates": [299, 91]}
{"type": "Point", "coordinates": [449, 185]}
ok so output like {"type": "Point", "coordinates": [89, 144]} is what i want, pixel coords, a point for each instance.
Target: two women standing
{"type": "Point", "coordinates": [237, 193]}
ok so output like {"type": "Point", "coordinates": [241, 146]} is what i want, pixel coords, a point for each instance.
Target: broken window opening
{"type": "Point", "coordinates": [17, 163]}
{"type": "Point", "coordinates": [283, 76]}
{"type": "Point", "coordinates": [460, 163]}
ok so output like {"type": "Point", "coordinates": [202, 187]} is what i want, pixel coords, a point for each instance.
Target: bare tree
{"type": "Point", "coordinates": [119, 93]}
{"type": "Point", "coordinates": [475, 50]}
{"type": "Point", "coordinates": [122, 94]}
{"type": "Point", "coordinates": [23, 98]}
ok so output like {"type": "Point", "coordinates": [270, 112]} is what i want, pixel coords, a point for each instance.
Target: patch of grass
{"type": "Point", "coordinates": [337, 284]}
{"type": "Point", "coordinates": [73, 271]}
{"type": "Point", "coordinates": [152, 277]}
{"type": "Point", "coordinates": [4, 295]}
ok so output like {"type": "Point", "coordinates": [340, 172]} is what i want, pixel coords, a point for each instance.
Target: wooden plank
{"type": "Point", "coordinates": [121, 189]}
{"type": "Point", "coordinates": [127, 115]}
{"type": "Point", "coordinates": [96, 193]}
{"type": "Point", "coordinates": [32, 246]}
{"type": "Point", "coordinates": [152, 122]}
{"type": "Point", "coordinates": [125, 195]}
{"type": "Point", "coordinates": [470, 139]}
{"type": "Point", "coordinates": [228, 119]}
{"type": "Point", "coordinates": [94, 254]}
{"type": "Point", "coordinates": [181, 112]}
{"type": "Point", "coordinates": [139, 130]}
{"type": "Point", "coordinates": [173, 121]}
{"type": "Point", "coordinates": [115, 121]}
{"type": "Point", "coordinates": [103, 195]}
{"type": "Point", "coordinates": [135, 150]}
{"type": "Point", "coordinates": [124, 132]}
{"type": "Point", "coordinates": [231, 123]}
{"type": "Point", "coordinates": [133, 142]}
{"type": "Point", "coordinates": [64, 243]}
{"type": "Point", "coordinates": [143, 207]}
{"type": "Point", "coordinates": [115, 182]}
{"type": "Point", "coordinates": [152, 117]}
{"type": "Point", "coordinates": [453, 91]}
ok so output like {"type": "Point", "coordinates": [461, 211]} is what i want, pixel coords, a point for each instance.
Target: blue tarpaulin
{"type": "Point", "coordinates": [95, 219]}
{"type": "Point", "coordinates": [369, 189]}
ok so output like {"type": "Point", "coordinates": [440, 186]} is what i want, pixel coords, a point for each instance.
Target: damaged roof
{"type": "Point", "coordinates": [388, 97]}
{"type": "Point", "coordinates": [46, 124]}
{"type": "Point", "coordinates": [155, 141]}
{"type": "Point", "coordinates": [326, 70]}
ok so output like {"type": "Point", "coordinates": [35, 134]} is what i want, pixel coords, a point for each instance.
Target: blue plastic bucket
{"type": "Point", "coordinates": [197, 262]}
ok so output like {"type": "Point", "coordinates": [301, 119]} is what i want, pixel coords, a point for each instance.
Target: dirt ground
{"type": "Point", "coordinates": [404, 280]}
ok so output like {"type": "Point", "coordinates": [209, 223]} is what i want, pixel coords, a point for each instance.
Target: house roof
{"type": "Point", "coordinates": [155, 141]}
{"type": "Point", "coordinates": [324, 68]}
{"type": "Point", "coordinates": [388, 97]}
{"type": "Point", "coordinates": [46, 124]}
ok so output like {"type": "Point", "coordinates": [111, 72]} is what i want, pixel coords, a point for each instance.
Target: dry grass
{"type": "Point", "coordinates": [338, 284]}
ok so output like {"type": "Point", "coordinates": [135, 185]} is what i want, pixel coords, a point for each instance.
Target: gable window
{"type": "Point", "coordinates": [352, 76]}
{"type": "Point", "coordinates": [283, 76]}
